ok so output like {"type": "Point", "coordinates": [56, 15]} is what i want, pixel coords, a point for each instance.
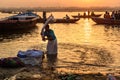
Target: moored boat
{"type": "Point", "coordinates": [19, 21]}
{"type": "Point", "coordinates": [61, 20]}
{"type": "Point", "coordinates": [66, 20]}
{"type": "Point", "coordinates": [106, 21]}
{"type": "Point", "coordinates": [86, 16]}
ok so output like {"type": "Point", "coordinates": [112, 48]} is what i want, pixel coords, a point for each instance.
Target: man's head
{"type": "Point", "coordinates": [47, 27]}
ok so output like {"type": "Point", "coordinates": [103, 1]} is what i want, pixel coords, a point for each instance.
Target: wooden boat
{"type": "Point", "coordinates": [61, 20]}
{"type": "Point", "coordinates": [19, 21]}
{"type": "Point", "coordinates": [86, 16]}
{"type": "Point", "coordinates": [65, 20]}
{"type": "Point", "coordinates": [106, 21]}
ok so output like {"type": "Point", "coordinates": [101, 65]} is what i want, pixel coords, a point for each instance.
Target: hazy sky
{"type": "Point", "coordinates": [59, 3]}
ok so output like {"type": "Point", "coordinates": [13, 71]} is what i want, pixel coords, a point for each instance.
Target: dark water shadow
{"type": "Point", "coordinates": [112, 26]}
{"type": "Point", "coordinates": [106, 25]}
{"type": "Point", "coordinates": [100, 24]}
{"type": "Point", "coordinates": [113, 30]}
{"type": "Point", "coordinates": [13, 34]}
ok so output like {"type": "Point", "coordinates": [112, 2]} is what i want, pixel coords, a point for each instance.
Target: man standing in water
{"type": "Point", "coordinates": [48, 34]}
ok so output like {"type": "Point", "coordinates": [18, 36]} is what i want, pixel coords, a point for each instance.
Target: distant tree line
{"type": "Point", "coordinates": [57, 9]}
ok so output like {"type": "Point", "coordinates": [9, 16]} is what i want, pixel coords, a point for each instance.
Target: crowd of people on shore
{"type": "Point", "coordinates": [114, 15]}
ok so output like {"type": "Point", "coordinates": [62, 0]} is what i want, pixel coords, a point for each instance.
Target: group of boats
{"type": "Point", "coordinates": [30, 19]}
{"type": "Point", "coordinates": [98, 20]}
{"type": "Point", "coordinates": [27, 20]}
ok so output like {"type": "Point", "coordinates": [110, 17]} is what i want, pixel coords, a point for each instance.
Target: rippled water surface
{"type": "Point", "coordinates": [83, 46]}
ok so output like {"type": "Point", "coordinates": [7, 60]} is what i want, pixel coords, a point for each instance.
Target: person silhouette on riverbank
{"type": "Point", "coordinates": [51, 45]}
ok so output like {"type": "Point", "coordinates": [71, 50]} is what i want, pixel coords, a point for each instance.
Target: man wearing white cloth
{"type": "Point", "coordinates": [48, 34]}
{"type": "Point", "coordinates": [51, 45]}
{"type": "Point", "coordinates": [52, 41]}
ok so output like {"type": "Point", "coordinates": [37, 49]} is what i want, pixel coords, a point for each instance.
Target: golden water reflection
{"type": "Point", "coordinates": [87, 31]}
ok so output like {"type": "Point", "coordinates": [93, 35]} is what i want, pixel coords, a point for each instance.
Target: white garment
{"type": "Point", "coordinates": [52, 47]}
{"type": "Point", "coordinates": [34, 53]}
{"type": "Point", "coordinates": [33, 57]}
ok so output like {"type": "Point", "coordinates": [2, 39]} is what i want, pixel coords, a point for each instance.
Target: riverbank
{"type": "Point", "coordinates": [40, 73]}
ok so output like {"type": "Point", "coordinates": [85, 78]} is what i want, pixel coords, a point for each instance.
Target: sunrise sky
{"type": "Point", "coordinates": [59, 3]}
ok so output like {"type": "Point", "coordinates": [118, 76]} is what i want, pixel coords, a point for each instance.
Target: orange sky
{"type": "Point", "coordinates": [59, 3]}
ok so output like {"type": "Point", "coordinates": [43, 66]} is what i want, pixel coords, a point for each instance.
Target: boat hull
{"type": "Point", "coordinates": [106, 21]}
{"type": "Point", "coordinates": [61, 21]}
{"type": "Point", "coordinates": [87, 16]}
{"type": "Point", "coordinates": [17, 24]}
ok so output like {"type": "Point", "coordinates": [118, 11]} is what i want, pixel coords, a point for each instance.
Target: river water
{"type": "Point", "coordinates": [83, 47]}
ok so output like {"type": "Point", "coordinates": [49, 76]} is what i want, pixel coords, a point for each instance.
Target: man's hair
{"type": "Point", "coordinates": [47, 25]}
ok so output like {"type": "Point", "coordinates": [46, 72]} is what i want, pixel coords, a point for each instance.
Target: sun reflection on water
{"type": "Point", "coordinates": [87, 30]}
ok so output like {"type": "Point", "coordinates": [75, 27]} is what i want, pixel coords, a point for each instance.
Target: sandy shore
{"type": "Point", "coordinates": [39, 73]}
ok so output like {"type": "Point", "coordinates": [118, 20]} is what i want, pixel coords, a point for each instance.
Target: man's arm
{"type": "Point", "coordinates": [48, 20]}
{"type": "Point", "coordinates": [43, 38]}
